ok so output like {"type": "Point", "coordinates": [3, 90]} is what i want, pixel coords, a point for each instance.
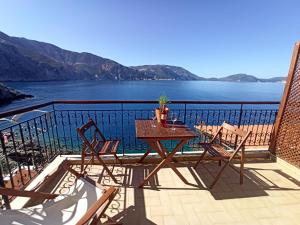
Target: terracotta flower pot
{"type": "Point", "coordinates": [158, 115]}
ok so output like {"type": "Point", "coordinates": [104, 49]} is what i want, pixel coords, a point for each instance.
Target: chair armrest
{"type": "Point", "coordinates": [99, 207]}
{"type": "Point", "coordinates": [30, 194]}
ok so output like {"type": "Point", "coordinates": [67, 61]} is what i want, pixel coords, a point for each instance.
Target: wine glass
{"type": "Point", "coordinates": [153, 118]}
{"type": "Point", "coordinates": [174, 119]}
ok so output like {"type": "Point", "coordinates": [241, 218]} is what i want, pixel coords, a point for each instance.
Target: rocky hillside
{"type": "Point", "coordinates": [7, 94]}
{"type": "Point", "coordinates": [167, 72]}
{"type": "Point", "coordinates": [27, 60]}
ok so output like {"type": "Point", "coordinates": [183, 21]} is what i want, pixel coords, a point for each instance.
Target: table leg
{"type": "Point", "coordinates": [166, 160]}
{"type": "Point", "coordinates": [164, 150]}
{"type": "Point", "coordinates": [173, 167]}
{"type": "Point", "coordinates": [144, 156]}
{"type": "Point", "coordinates": [147, 153]}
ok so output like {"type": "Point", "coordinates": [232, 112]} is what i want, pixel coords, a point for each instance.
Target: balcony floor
{"type": "Point", "coordinates": [271, 196]}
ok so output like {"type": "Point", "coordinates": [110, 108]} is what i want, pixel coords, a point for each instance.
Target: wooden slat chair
{"type": "Point", "coordinates": [98, 147]}
{"type": "Point", "coordinates": [222, 152]}
{"type": "Point", "coordinates": [85, 203]}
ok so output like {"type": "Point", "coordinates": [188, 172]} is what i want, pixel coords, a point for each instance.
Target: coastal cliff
{"type": "Point", "coordinates": [8, 95]}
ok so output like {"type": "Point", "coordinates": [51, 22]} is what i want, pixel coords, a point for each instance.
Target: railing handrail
{"type": "Point", "coordinates": [74, 102]}
{"type": "Point", "coordinates": [156, 101]}
{"type": "Point", "coordinates": [24, 109]}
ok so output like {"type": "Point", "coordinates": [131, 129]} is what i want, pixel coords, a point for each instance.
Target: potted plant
{"type": "Point", "coordinates": [163, 100]}
{"type": "Point", "coordinates": [162, 111]}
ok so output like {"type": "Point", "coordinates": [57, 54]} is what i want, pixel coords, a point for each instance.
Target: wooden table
{"type": "Point", "coordinates": [154, 136]}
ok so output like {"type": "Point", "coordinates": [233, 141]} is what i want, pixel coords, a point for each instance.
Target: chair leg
{"type": "Point", "coordinates": [242, 166]}
{"type": "Point", "coordinates": [106, 169]}
{"type": "Point", "coordinates": [219, 174]}
{"type": "Point", "coordinates": [220, 162]}
{"type": "Point", "coordinates": [82, 162]}
{"type": "Point", "coordinates": [117, 159]}
{"type": "Point", "coordinates": [111, 221]}
{"type": "Point", "coordinates": [93, 159]}
{"type": "Point", "coordinates": [200, 159]}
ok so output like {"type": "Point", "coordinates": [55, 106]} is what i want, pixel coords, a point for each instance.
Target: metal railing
{"type": "Point", "coordinates": [29, 144]}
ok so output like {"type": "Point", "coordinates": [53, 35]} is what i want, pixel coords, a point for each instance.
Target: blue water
{"type": "Point", "coordinates": [145, 90]}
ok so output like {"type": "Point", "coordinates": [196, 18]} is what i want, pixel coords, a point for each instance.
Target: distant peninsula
{"type": "Point", "coordinates": [167, 72]}
{"type": "Point", "coordinates": [7, 95]}
{"type": "Point", "coordinates": [22, 59]}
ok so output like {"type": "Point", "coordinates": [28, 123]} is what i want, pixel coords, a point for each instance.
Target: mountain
{"type": "Point", "coordinates": [241, 77]}
{"type": "Point", "coordinates": [274, 79]}
{"type": "Point", "coordinates": [28, 60]}
{"type": "Point", "coordinates": [159, 72]}
{"type": "Point", "coordinates": [7, 94]}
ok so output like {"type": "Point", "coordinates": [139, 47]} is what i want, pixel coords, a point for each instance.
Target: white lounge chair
{"type": "Point", "coordinates": [84, 203]}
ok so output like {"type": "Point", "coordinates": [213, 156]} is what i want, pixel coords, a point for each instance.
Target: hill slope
{"type": "Point", "coordinates": [241, 77]}
{"type": "Point", "coordinates": [167, 72]}
{"type": "Point", "coordinates": [27, 60]}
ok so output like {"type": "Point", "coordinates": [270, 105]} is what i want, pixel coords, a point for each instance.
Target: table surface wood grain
{"type": "Point", "coordinates": [145, 130]}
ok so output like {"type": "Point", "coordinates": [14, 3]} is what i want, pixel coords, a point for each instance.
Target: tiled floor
{"type": "Point", "coordinates": [271, 196]}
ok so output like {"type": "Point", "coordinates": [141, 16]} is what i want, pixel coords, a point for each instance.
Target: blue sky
{"type": "Point", "coordinates": [209, 38]}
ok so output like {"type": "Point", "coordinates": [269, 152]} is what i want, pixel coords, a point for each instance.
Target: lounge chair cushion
{"type": "Point", "coordinates": [65, 209]}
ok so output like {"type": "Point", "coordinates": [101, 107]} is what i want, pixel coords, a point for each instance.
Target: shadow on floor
{"type": "Point", "coordinates": [256, 183]}
{"type": "Point", "coordinates": [129, 206]}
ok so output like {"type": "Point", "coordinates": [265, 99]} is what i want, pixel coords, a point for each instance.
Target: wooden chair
{"type": "Point", "coordinates": [219, 149]}
{"type": "Point", "coordinates": [97, 147]}
{"type": "Point", "coordinates": [85, 203]}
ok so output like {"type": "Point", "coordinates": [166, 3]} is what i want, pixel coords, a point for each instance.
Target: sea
{"type": "Point", "coordinates": [144, 90]}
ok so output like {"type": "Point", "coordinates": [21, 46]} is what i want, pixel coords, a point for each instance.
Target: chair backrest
{"type": "Point", "coordinates": [234, 130]}
{"type": "Point", "coordinates": [232, 134]}
{"type": "Point", "coordinates": [91, 128]}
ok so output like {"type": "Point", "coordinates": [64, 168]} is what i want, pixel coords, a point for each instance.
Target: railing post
{"type": "Point", "coordinates": [271, 141]}
{"type": "Point", "coordinates": [184, 119]}
{"type": "Point", "coordinates": [3, 146]}
{"type": "Point", "coordinates": [5, 197]}
{"type": "Point", "coordinates": [122, 132]}
{"type": "Point", "coordinates": [240, 115]}
{"type": "Point", "coordinates": [56, 125]}
{"type": "Point", "coordinates": [239, 124]}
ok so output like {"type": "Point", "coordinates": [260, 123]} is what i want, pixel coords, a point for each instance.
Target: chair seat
{"type": "Point", "coordinates": [107, 147]}
{"type": "Point", "coordinates": [216, 150]}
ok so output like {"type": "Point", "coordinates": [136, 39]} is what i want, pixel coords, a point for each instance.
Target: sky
{"type": "Point", "coordinates": [209, 38]}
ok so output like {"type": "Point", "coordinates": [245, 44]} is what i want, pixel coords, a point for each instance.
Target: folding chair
{"type": "Point", "coordinates": [97, 147]}
{"type": "Point", "coordinates": [223, 152]}
{"type": "Point", "coordinates": [85, 203]}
